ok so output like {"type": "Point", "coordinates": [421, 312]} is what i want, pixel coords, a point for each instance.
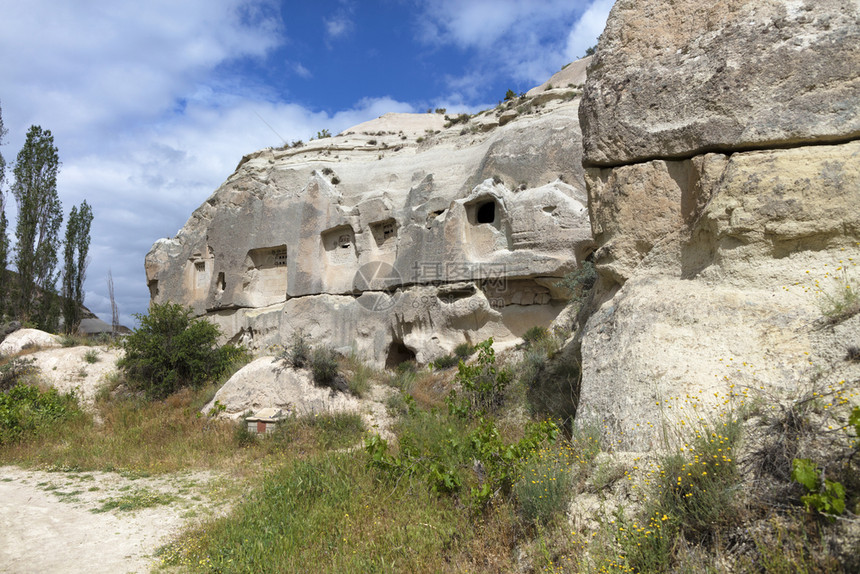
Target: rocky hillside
{"type": "Point", "coordinates": [723, 175]}
{"type": "Point", "coordinates": [400, 238]}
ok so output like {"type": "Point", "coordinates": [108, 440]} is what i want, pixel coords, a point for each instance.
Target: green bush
{"type": "Point", "coordinates": [15, 371]}
{"type": "Point", "coordinates": [324, 366]}
{"type": "Point", "coordinates": [551, 380]}
{"type": "Point", "coordinates": [171, 350]}
{"type": "Point", "coordinates": [464, 351]}
{"type": "Point", "coordinates": [544, 488]}
{"type": "Point", "coordinates": [483, 385]}
{"type": "Point", "coordinates": [24, 409]}
{"type": "Point", "coordinates": [579, 282]}
{"type": "Point", "coordinates": [535, 334]}
{"type": "Point", "coordinates": [298, 353]}
{"type": "Point", "coordinates": [446, 362]}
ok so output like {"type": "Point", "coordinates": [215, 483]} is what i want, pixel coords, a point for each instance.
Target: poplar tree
{"type": "Point", "coordinates": [76, 249]}
{"type": "Point", "coordinates": [4, 238]}
{"type": "Point", "coordinates": [37, 231]}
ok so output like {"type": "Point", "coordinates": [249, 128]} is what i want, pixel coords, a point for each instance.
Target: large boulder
{"type": "Point", "coordinates": [268, 382]}
{"type": "Point", "coordinates": [677, 79]}
{"type": "Point", "coordinates": [24, 339]}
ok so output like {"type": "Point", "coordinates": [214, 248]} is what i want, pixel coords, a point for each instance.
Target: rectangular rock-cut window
{"type": "Point", "coordinates": [339, 245]}
{"type": "Point", "coordinates": [384, 233]}
{"type": "Point", "coordinates": [265, 277]}
{"type": "Point", "coordinates": [200, 275]}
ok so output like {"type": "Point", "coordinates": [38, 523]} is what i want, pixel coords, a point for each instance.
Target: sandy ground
{"type": "Point", "coordinates": [48, 523]}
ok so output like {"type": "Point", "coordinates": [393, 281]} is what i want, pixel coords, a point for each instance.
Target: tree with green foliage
{"type": "Point", "coordinates": [37, 231]}
{"type": "Point", "coordinates": [4, 238]}
{"type": "Point", "coordinates": [77, 246]}
{"type": "Point", "coordinates": [171, 350]}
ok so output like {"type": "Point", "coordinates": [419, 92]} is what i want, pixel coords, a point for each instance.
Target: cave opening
{"type": "Point", "coordinates": [486, 212]}
{"type": "Point", "coordinates": [398, 353]}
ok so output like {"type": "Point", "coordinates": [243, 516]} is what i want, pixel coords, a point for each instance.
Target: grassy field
{"type": "Point", "coordinates": [475, 479]}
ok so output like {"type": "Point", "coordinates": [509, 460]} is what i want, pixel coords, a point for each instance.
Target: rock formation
{"type": "Point", "coordinates": [399, 238]}
{"type": "Point", "coordinates": [723, 173]}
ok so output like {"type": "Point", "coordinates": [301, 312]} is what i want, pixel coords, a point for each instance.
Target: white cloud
{"type": "Point", "coordinates": [301, 71]}
{"type": "Point", "coordinates": [338, 26]}
{"type": "Point", "coordinates": [527, 40]}
{"type": "Point", "coordinates": [588, 29]}
{"type": "Point", "coordinates": [145, 130]}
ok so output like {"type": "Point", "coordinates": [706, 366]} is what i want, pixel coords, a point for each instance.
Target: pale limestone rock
{"type": "Point", "coordinates": [356, 238]}
{"type": "Point", "coordinates": [715, 269]}
{"type": "Point", "coordinates": [24, 339]}
{"type": "Point", "coordinates": [68, 370]}
{"type": "Point", "coordinates": [269, 383]}
{"type": "Point", "coordinates": [677, 79]}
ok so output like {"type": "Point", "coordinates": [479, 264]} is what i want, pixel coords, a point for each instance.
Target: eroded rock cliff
{"type": "Point", "coordinates": [399, 238]}
{"type": "Point", "coordinates": [723, 171]}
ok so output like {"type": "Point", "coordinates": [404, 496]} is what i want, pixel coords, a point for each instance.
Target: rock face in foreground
{"type": "Point", "coordinates": [676, 79]}
{"type": "Point", "coordinates": [400, 238]}
{"type": "Point", "coordinates": [718, 266]}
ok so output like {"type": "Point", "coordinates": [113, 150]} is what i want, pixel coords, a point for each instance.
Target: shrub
{"type": "Point", "coordinates": [464, 350]}
{"type": "Point", "coordinates": [24, 409]}
{"type": "Point", "coordinates": [92, 356]}
{"type": "Point", "coordinates": [535, 334]}
{"type": "Point", "coordinates": [170, 350]}
{"type": "Point", "coordinates": [580, 281]}
{"type": "Point", "coordinates": [544, 488]}
{"type": "Point", "coordinates": [298, 353]}
{"type": "Point", "coordinates": [323, 363]}
{"type": "Point", "coordinates": [446, 362]}
{"type": "Point", "coordinates": [483, 385]}
{"type": "Point", "coordinates": [15, 371]}
{"type": "Point", "coordinates": [551, 380]}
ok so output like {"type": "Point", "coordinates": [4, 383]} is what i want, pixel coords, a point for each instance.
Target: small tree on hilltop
{"type": "Point", "coordinates": [38, 228]}
{"type": "Point", "coordinates": [77, 248]}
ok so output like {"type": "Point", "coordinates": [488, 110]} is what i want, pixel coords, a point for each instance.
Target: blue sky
{"type": "Point", "coordinates": [153, 103]}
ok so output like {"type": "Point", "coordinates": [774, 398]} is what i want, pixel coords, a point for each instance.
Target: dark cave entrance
{"type": "Point", "coordinates": [486, 212]}
{"type": "Point", "coordinates": [398, 353]}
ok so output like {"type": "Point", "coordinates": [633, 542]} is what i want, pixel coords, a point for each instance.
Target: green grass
{"type": "Point", "coordinates": [142, 498]}
{"type": "Point", "coordinates": [330, 511]}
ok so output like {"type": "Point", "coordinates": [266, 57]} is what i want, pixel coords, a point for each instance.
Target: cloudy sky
{"type": "Point", "coordinates": [153, 103]}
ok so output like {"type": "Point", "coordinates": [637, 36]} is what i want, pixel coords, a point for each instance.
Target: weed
{"type": "Point", "coordinates": [324, 366]}
{"type": "Point", "coordinates": [544, 488]}
{"type": "Point", "coordinates": [17, 370]}
{"type": "Point", "coordinates": [580, 281]}
{"type": "Point", "coordinates": [359, 375]}
{"type": "Point", "coordinates": [298, 353]}
{"type": "Point", "coordinates": [464, 351]}
{"type": "Point", "coordinates": [535, 334]}
{"type": "Point", "coordinates": [483, 384]}
{"type": "Point", "coordinates": [446, 362]}
{"type": "Point", "coordinates": [92, 356]}
{"type": "Point", "coordinates": [26, 410]}
{"type": "Point", "coordinates": [136, 500]}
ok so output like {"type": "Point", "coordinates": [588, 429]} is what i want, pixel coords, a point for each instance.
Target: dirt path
{"type": "Point", "coordinates": [63, 521]}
